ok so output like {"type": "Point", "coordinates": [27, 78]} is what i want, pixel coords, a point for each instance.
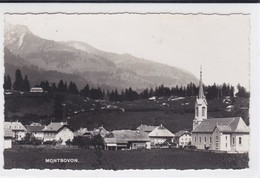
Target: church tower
{"type": "Point", "coordinates": [200, 105]}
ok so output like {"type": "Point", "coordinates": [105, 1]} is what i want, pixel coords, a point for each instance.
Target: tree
{"type": "Point", "coordinates": [7, 82]}
{"type": "Point", "coordinates": [18, 83]}
{"type": "Point", "coordinates": [85, 91]}
{"type": "Point", "coordinates": [26, 84]}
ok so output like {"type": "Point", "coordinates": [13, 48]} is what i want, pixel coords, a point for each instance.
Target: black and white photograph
{"type": "Point", "coordinates": [126, 91]}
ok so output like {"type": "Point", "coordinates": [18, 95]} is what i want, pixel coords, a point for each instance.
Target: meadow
{"type": "Point", "coordinates": [172, 158]}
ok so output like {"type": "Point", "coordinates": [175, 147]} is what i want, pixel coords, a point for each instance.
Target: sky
{"type": "Point", "coordinates": [218, 43]}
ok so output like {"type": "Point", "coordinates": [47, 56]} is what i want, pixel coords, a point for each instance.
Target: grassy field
{"type": "Point", "coordinates": [34, 158]}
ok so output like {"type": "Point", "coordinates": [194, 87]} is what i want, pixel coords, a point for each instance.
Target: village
{"type": "Point", "coordinates": [224, 135]}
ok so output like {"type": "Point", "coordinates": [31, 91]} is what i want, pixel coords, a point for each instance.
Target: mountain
{"type": "Point", "coordinates": [84, 63]}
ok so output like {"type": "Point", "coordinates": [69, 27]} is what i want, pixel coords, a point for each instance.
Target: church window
{"type": "Point", "coordinates": [200, 139]}
{"type": "Point", "coordinates": [203, 111]}
{"type": "Point", "coordinates": [233, 140]}
{"type": "Point", "coordinates": [205, 139]}
{"type": "Point", "coordinates": [197, 111]}
{"type": "Point", "coordinates": [210, 140]}
{"type": "Point", "coordinates": [226, 145]}
{"type": "Point", "coordinates": [240, 140]}
{"type": "Point", "coordinates": [226, 137]}
{"type": "Point", "coordinates": [195, 139]}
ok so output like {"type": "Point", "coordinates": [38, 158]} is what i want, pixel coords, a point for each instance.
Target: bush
{"type": "Point", "coordinates": [49, 142]}
{"type": "Point", "coordinates": [190, 147]}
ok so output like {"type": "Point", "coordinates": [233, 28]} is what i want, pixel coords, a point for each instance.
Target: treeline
{"type": "Point", "coordinates": [211, 91]}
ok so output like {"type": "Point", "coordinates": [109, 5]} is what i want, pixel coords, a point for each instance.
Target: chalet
{"type": "Point", "coordinates": [83, 132]}
{"type": "Point", "coordinates": [182, 138]}
{"type": "Point", "coordinates": [58, 131]}
{"type": "Point", "coordinates": [220, 134]}
{"type": "Point", "coordinates": [160, 135]}
{"type": "Point", "coordinates": [8, 138]}
{"type": "Point", "coordinates": [18, 130]}
{"type": "Point", "coordinates": [127, 139]}
{"type": "Point", "coordinates": [36, 90]}
{"type": "Point", "coordinates": [36, 130]}
{"type": "Point", "coordinates": [146, 128]}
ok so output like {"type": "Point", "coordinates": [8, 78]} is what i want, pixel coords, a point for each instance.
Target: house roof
{"type": "Point", "coordinates": [81, 132]}
{"type": "Point", "coordinates": [8, 133]}
{"type": "Point", "coordinates": [35, 128]}
{"type": "Point", "coordinates": [146, 128]}
{"type": "Point", "coordinates": [230, 124]}
{"type": "Point", "coordinates": [55, 126]}
{"type": "Point", "coordinates": [161, 131]}
{"type": "Point", "coordinates": [100, 130]}
{"type": "Point", "coordinates": [124, 136]}
{"type": "Point", "coordinates": [181, 132]}
{"type": "Point", "coordinates": [16, 126]}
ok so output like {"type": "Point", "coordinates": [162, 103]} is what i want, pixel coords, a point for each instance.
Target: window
{"type": "Point", "coordinates": [205, 139]}
{"type": "Point", "coordinates": [200, 139]}
{"type": "Point", "coordinates": [226, 137]}
{"type": "Point", "coordinates": [226, 145]}
{"type": "Point", "coordinates": [210, 140]}
{"type": "Point", "coordinates": [195, 140]}
{"type": "Point", "coordinates": [197, 111]}
{"type": "Point", "coordinates": [216, 146]}
{"type": "Point", "coordinates": [233, 140]}
{"type": "Point", "coordinates": [203, 111]}
{"type": "Point", "coordinates": [216, 138]}
{"type": "Point", "coordinates": [240, 140]}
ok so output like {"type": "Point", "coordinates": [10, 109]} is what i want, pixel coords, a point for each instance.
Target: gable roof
{"type": "Point", "coordinates": [100, 130]}
{"type": "Point", "coordinates": [161, 131]}
{"type": "Point", "coordinates": [181, 132]}
{"type": "Point", "coordinates": [146, 128]}
{"type": "Point", "coordinates": [15, 126]}
{"type": "Point", "coordinates": [55, 126]}
{"type": "Point", "coordinates": [124, 136]}
{"type": "Point", "coordinates": [82, 132]}
{"type": "Point", "coordinates": [229, 124]}
{"type": "Point", "coordinates": [35, 128]}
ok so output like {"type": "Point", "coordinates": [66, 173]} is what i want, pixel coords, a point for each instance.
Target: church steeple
{"type": "Point", "coordinates": [201, 91]}
{"type": "Point", "coordinates": [200, 105]}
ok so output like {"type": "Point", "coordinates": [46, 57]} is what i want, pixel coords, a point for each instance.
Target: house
{"type": "Point", "coordinates": [146, 128]}
{"type": "Point", "coordinates": [219, 134]}
{"type": "Point", "coordinates": [18, 130]}
{"type": "Point", "coordinates": [36, 90]}
{"type": "Point", "coordinates": [58, 131]}
{"type": "Point", "coordinates": [127, 139]}
{"type": "Point", "coordinates": [160, 135]}
{"type": "Point", "coordinates": [182, 138]}
{"type": "Point", "coordinates": [36, 130]}
{"type": "Point", "coordinates": [8, 138]}
{"type": "Point", "coordinates": [83, 132]}
{"type": "Point", "coordinates": [100, 130]}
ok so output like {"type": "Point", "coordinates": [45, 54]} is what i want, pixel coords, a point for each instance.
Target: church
{"type": "Point", "coordinates": [219, 134]}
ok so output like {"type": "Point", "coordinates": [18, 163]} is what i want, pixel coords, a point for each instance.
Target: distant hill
{"type": "Point", "coordinates": [84, 62]}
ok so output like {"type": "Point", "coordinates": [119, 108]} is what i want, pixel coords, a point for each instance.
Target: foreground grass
{"type": "Point", "coordinates": [34, 158]}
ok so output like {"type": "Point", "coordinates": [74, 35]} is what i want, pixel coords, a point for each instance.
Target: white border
{"type": "Point", "coordinates": [252, 9]}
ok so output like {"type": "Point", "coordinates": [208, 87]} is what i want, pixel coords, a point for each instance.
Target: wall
{"type": "Point", "coordinates": [202, 144]}
{"type": "Point", "coordinates": [49, 136]}
{"type": "Point", "coordinates": [244, 146]}
{"type": "Point", "coordinates": [136, 145]}
{"type": "Point", "coordinates": [7, 143]}
{"type": "Point", "coordinates": [64, 134]}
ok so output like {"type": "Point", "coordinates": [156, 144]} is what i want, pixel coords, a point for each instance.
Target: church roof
{"type": "Point", "coordinates": [230, 124]}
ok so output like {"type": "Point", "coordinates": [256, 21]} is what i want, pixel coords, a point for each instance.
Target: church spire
{"type": "Point", "coordinates": [201, 92]}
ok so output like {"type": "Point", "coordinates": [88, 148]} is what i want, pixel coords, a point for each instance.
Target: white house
{"type": "Point", "coordinates": [182, 138]}
{"type": "Point", "coordinates": [7, 138]}
{"type": "Point", "coordinates": [18, 130]}
{"type": "Point", "coordinates": [160, 135]}
{"type": "Point", "coordinates": [36, 130]}
{"type": "Point", "coordinates": [36, 90]}
{"type": "Point", "coordinates": [220, 134]}
{"type": "Point", "coordinates": [58, 131]}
